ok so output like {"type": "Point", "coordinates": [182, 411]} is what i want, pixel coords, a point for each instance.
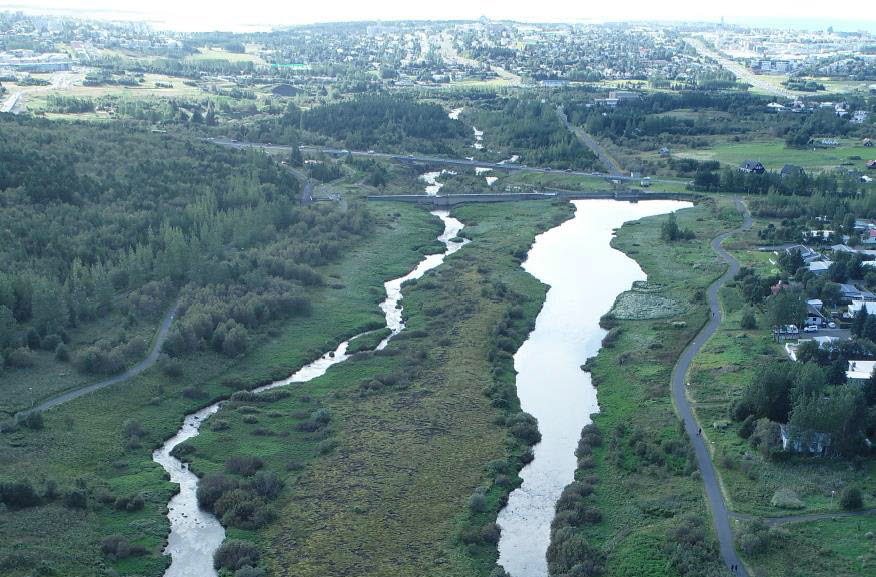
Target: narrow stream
{"type": "Point", "coordinates": [585, 276]}
{"type": "Point", "coordinates": [195, 534]}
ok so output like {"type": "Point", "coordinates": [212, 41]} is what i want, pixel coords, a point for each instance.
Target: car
{"type": "Point", "coordinates": [831, 325]}
{"type": "Point", "coordinates": [810, 329]}
{"type": "Point", "coordinates": [568, 170]}
{"type": "Point", "coordinates": [370, 152]}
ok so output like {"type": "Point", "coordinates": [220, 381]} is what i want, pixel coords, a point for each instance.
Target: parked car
{"type": "Point", "coordinates": [810, 329]}
{"type": "Point", "coordinates": [831, 325]}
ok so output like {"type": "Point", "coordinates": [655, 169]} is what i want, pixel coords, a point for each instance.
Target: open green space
{"type": "Point", "coordinates": [774, 154]}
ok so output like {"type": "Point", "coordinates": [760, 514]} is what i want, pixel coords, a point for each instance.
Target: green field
{"type": "Point", "coordinates": [774, 154]}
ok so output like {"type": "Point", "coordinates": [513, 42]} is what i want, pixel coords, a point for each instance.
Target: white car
{"type": "Point", "coordinates": [810, 329]}
{"type": "Point", "coordinates": [831, 325]}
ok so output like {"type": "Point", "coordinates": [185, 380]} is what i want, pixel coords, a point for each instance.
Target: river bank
{"type": "Point", "coordinates": [635, 471]}
{"type": "Point", "coordinates": [550, 383]}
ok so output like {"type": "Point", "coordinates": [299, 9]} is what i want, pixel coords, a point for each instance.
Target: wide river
{"type": "Point", "coordinates": [196, 534]}
{"type": "Point", "coordinates": [585, 276]}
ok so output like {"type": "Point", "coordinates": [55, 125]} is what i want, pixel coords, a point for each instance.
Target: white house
{"type": "Point", "coordinates": [859, 372]}
{"type": "Point", "coordinates": [856, 306]}
{"type": "Point", "coordinates": [819, 267]}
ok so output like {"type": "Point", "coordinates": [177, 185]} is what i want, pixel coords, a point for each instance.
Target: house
{"type": "Point", "coordinates": [859, 372]}
{"type": "Point", "coordinates": [869, 237]}
{"type": "Point", "coordinates": [818, 235]}
{"type": "Point", "coordinates": [792, 170]}
{"type": "Point", "coordinates": [814, 316]}
{"type": "Point", "coordinates": [842, 248]}
{"type": "Point", "coordinates": [752, 166]}
{"type": "Point", "coordinates": [664, 151]}
{"type": "Point", "coordinates": [776, 107]}
{"type": "Point", "coordinates": [868, 142]}
{"type": "Point", "coordinates": [851, 293]}
{"type": "Point", "coordinates": [857, 305]}
{"type": "Point", "coordinates": [819, 267]}
{"type": "Point", "coordinates": [811, 442]}
{"type": "Point", "coordinates": [807, 253]}
{"type": "Point", "coordinates": [871, 164]}
{"type": "Point", "coordinates": [817, 304]}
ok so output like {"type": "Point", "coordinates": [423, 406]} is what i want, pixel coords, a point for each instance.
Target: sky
{"type": "Point", "coordinates": [202, 15]}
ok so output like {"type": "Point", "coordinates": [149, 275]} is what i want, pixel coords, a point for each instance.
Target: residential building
{"type": "Point", "coordinates": [752, 166]}
{"type": "Point", "coordinates": [859, 372]}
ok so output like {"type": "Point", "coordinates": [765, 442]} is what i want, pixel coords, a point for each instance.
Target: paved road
{"type": "Point", "coordinates": [607, 160]}
{"type": "Point", "coordinates": [720, 515]}
{"type": "Point", "coordinates": [509, 167]}
{"type": "Point", "coordinates": [744, 74]}
{"type": "Point", "coordinates": [146, 363]}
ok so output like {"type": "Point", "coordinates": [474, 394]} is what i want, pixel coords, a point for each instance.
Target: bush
{"type": "Point", "coordinates": [21, 358]}
{"type": "Point", "coordinates": [18, 494]}
{"type": "Point", "coordinates": [243, 509]}
{"type": "Point", "coordinates": [851, 499]}
{"type": "Point", "coordinates": [248, 571]}
{"type": "Point", "coordinates": [570, 551]}
{"type": "Point", "coordinates": [212, 487]}
{"type": "Point", "coordinates": [525, 427]}
{"type": "Point", "coordinates": [244, 465]}
{"type": "Point", "coordinates": [33, 420]}
{"type": "Point", "coordinates": [754, 538]}
{"type": "Point", "coordinates": [62, 353]}
{"type": "Point", "coordinates": [477, 503]}
{"type": "Point", "coordinates": [75, 499]}
{"type": "Point", "coordinates": [786, 499]}
{"type": "Point", "coordinates": [266, 484]}
{"type": "Point", "coordinates": [748, 321]}
{"type": "Point", "coordinates": [235, 554]}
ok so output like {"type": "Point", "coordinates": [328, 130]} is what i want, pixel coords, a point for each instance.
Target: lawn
{"type": "Point", "coordinates": [774, 154]}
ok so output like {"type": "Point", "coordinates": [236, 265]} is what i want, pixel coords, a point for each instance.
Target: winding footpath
{"type": "Point", "coordinates": [146, 363]}
{"type": "Point", "coordinates": [720, 516]}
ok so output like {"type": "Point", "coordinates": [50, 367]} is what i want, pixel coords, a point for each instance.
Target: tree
{"type": "Point", "coordinates": [748, 320]}
{"type": "Point", "coordinates": [786, 307]}
{"type": "Point", "coordinates": [791, 261]}
{"type": "Point", "coordinates": [769, 393]}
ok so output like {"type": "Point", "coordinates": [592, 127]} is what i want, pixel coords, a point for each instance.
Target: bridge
{"type": "Point", "coordinates": [446, 200]}
{"type": "Point", "coordinates": [424, 159]}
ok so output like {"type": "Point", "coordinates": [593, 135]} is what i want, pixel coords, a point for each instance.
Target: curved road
{"type": "Point", "coordinates": [720, 515]}
{"type": "Point", "coordinates": [611, 164]}
{"type": "Point", "coordinates": [147, 362]}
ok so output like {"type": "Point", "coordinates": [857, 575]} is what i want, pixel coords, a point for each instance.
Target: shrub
{"type": "Point", "coordinates": [569, 550]}
{"type": "Point", "coordinates": [235, 554]}
{"type": "Point", "coordinates": [851, 499]}
{"type": "Point", "coordinates": [754, 538]}
{"type": "Point", "coordinates": [115, 547]}
{"type": "Point", "coordinates": [33, 420]}
{"type": "Point", "coordinates": [786, 498]}
{"type": "Point", "coordinates": [62, 353]}
{"type": "Point", "coordinates": [244, 465]}
{"type": "Point", "coordinates": [21, 358]}
{"type": "Point", "coordinates": [212, 487]}
{"type": "Point", "coordinates": [243, 509]}
{"type": "Point", "coordinates": [18, 494]}
{"type": "Point", "coordinates": [266, 484]}
{"type": "Point", "coordinates": [75, 499]}
{"type": "Point", "coordinates": [525, 427]}
{"type": "Point", "coordinates": [477, 503]}
{"type": "Point", "coordinates": [748, 320]}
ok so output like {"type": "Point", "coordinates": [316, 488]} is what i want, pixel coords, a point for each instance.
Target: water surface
{"type": "Point", "coordinates": [585, 276]}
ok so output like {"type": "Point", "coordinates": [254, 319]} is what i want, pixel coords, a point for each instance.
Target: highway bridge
{"type": "Point", "coordinates": [424, 159]}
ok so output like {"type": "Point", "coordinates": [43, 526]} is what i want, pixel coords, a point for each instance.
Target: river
{"type": "Point", "coordinates": [196, 534]}
{"type": "Point", "coordinates": [585, 276]}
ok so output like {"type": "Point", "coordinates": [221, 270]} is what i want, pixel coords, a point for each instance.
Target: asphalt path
{"type": "Point", "coordinates": [720, 516]}
{"type": "Point", "coordinates": [146, 363]}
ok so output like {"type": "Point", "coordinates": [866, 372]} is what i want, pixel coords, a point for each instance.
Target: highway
{"type": "Point", "coordinates": [509, 167]}
{"type": "Point", "coordinates": [743, 73]}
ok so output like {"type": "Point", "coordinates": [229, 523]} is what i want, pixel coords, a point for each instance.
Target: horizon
{"type": "Point", "coordinates": [198, 17]}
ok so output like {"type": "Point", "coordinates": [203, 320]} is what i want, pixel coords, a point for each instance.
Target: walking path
{"type": "Point", "coordinates": [720, 515]}
{"type": "Point", "coordinates": [788, 519]}
{"type": "Point", "coordinates": [146, 363]}
{"type": "Point", "coordinates": [611, 164]}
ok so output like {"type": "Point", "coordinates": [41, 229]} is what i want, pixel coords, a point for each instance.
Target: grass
{"type": "Point", "coordinates": [642, 497]}
{"type": "Point", "coordinates": [82, 442]}
{"type": "Point", "coordinates": [209, 53]}
{"type": "Point", "coordinates": [774, 155]}
{"type": "Point", "coordinates": [23, 387]}
{"type": "Point", "coordinates": [842, 547]}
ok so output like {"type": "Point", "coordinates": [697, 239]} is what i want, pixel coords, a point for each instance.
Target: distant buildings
{"type": "Point", "coordinates": [859, 372]}
{"type": "Point", "coordinates": [26, 61]}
